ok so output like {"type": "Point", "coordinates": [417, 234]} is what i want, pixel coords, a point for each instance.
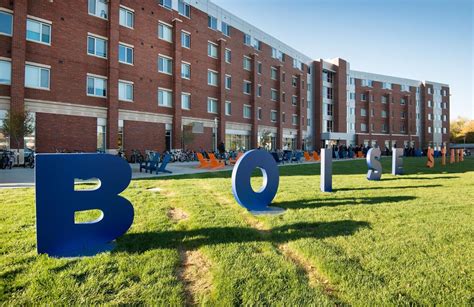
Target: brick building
{"type": "Point", "coordinates": [163, 74]}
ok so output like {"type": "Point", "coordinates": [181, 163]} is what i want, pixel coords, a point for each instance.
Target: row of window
{"type": "Point", "coordinates": [36, 76]}
{"type": "Point", "coordinates": [437, 130]}
{"type": "Point", "coordinates": [384, 128]}
{"type": "Point", "coordinates": [439, 105]}
{"type": "Point", "coordinates": [444, 118]}
{"type": "Point", "coordinates": [37, 30]}
{"type": "Point", "coordinates": [383, 113]}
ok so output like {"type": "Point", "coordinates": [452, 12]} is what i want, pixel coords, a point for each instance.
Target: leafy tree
{"type": "Point", "coordinates": [462, 130]}
{"type": "Point", "coordinates": [17, 125]}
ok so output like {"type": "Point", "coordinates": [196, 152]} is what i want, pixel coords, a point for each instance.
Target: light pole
{"type": "Point", "coordinates": [215, 134]}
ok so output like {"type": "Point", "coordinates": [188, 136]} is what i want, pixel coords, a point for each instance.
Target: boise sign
{"type": "Point", "coordinates": [57, 200]}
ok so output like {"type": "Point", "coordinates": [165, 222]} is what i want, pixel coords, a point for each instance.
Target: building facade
{"type": "Point", "coordinates": [172, 74]}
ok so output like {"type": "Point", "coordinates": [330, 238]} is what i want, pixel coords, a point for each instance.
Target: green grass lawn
{"type": "Point", "coordinates": [403, 240]}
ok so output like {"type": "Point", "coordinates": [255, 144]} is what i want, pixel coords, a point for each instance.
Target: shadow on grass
{"type": "Point", "coordinates": [333, 202]}
{"type": "Point", "coordinates": [389, 188]}
{"type": "Point", "coordinates": [193, 239]}
{"type": "Point", "coordinates": [419, 178]}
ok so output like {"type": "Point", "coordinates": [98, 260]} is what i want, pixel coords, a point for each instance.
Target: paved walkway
{"type": "Point", "coordinates": [20, 177]}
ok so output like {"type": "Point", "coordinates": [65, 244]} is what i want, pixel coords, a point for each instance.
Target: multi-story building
{"type": "Point", "coordinates": [163, 74]}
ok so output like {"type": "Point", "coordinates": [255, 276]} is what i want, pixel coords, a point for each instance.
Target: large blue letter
{"type": "Point", "coordinates": [374, 165]}
{"type": "Point", "coordinates": [256, 202]}
{"type": "Point", "coordinates": [326, 169]}
{"type": "Point", "coordinates": [57, 202]}
{"type": "Point", "coordinates": [397, 161]}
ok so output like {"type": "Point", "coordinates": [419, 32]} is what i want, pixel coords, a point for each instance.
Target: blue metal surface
{"type": "Point", "coordinates": [58, 234]}
{"type": "Point", "coordinates": [397, 161]}
{"type": "Point", "coordinates": [241, 175]}
{"type": "Point", "coordinates": [326, 170]}
{"type": "Point", "coordinates": [374, 165]}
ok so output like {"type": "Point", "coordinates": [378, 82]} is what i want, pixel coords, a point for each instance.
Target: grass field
{"type": "Point", "coordinates": [402, 240]}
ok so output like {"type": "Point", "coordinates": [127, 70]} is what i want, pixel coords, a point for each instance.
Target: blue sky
{"type": "Point", "coordinates": [417, 39]}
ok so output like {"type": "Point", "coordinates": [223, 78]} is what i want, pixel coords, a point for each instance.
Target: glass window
{"type": "Point", "coordinates": [259, 114]}
{"type": "Point", "coordinates": [211, 105]}
{"type": "Point", "coordinates": [228, 82]}
{"type": "Point", "coordinates": [294, 120]}
{"type": "Point", "coordinates": [36, 77]}
{"type": "Point", "coordinates": [274, 95]}
{"type": "Point", "coordinates": [225, 29]}
{"type": "Point", "coordinates": [247, 111]}
{"type": "Point", "coordinates": [185, 40]}
{"type": "Point", "coordinates": [247, 39]}
{"type": "Point", "coordinates": [185, 71]}
{"type": "Point", "coordinates": [98, 8]}
{"type": "Point", "coordinates": [247, 87]}
{"type": "Point", "coordinates": [212, 50]}
{"type": "Point", "coordinates": [247, 64]}
{"type": "Point", "coordinates": [96, 86]}
{"type": "Point", "coordinates": [228, 55]}
{"type": "Point", "coordinates": [165, 98]}
{"type": "Point", "coordinates": [228, 108]}
{"type": "Point", "coordinates": [165, 32]}
{"type": "Point", "coordinates": [166, 3]}
{"type": "Point", "coordinates": [185, 101]}
{"type": "Point", "coordinates": [256, 44]}
{"type": "Point", "coordinates": [274, 73]}
{"type": "Point", "coordinates": [273, 116]}
{"type": "Point", "coordinates": [125, 91]}
{"type": "Point", "coordinates": [184, 8]}
{"type": "Point", "coordinates": [96, 46]}
{"type": "Point", "coordinates": [212, 78]}
{"type": "Point", "coordinates": [125, 54]}
{"type": "Point", "coordinates": [127, 18]}
{"type": "Point", "coordinates": [5, 72]}
{"type": "Point", "coordinates": [101, 134]}
{"type": "Point", "coordinates": [212, 22]}
{"type": "Point", "coordinates": [165, 65]}
{"type": "Point", "coordinates": [38, 31]}
{"type": "Point", "coordinates": [6, 23]}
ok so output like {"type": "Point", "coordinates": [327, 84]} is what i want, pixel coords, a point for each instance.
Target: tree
{"type": "Point", "coordinates": [462, 130]}
{"type": "Point", "coordinates": [17, 125]}
{"type": "Point", "coordinates": [265, 139]}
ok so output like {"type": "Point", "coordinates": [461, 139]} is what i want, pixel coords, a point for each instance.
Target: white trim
{"type": "Point", "coordinates": [4, 9]}
{"type": "Point", "coordinates": [38, 65]}
{"type": "Point", "coordinates": [184, 62]}
{"type": "Point", "coordinates": [5, 59]}
{"type": "Point", "coordinates": [214, 71]}
{"type": "Point", "coordinates": [127, 8]}
{"type": "Point", "coordinates": [125, 81]}
{"type": "Point", "coordinates": [96, 76]}
{"type": "Point", "coordinates": [187, 32]}
{"type": "Point", "coordinates": [164, 56]}
{"type": "Point", "coordinates": [97, 36]}
{"type": "Point", "coordinates": [40, 19]}
{"type": "Point", "coordinates": [165, 89]}
{"type": "Point", "coordinates": [147, 117]}
{"type": "Point", "coordinates": [165, 23]}
{"type": "Point", "coordinates": [126, 45]}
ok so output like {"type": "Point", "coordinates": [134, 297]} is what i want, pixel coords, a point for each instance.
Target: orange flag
{"type": "Point", "coordinates": [443, 153]}
{"type": "Point", "coordinates": [461, 155]}
{"type": "Point", "coordinates": [452, 157]}
{"type": "Point", "coordinates": [431, 161]}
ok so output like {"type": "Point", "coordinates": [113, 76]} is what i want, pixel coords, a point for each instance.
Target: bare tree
{"type": "Point", "coordinates": [17, 125]}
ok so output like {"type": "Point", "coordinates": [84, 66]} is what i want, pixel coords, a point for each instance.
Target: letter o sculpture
{"type": "Point", "coordinates": [256, 202]}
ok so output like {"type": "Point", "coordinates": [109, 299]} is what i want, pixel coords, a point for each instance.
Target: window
{"type": "Point", "coordinates": [166, 4]}
{"type": "Point", "coordinates": [259, 90]}
{"type": "Point", "coordinates": [294, 100]}
{"type": "Point", "coordinates": [259, 68]}
{"type": "Point", "coordinates": [273, 116]}
{"type": "Point", "coordinates": [37, 31]}
{"type": "Point", "coordinates": [330, 125]}
{"type": "Point", "coordinates": [259, 114]}
{"type": "Point", "coordinates": [228, 56]}
{"type": "Point", "coordinates": [283, 97]}
{"type": "Point", "coordinates": [403, 101]}
{"type": "Point", "coordinates": [363, 127]}
{"type": "Point", "coordinates": [212, 77]}
{"type": "Point", "coordinates": [96, 86]}
{"type": "Point", "coordinates": [185, 70]}
{"type": "Point", "coordinates": [247, 87]}
{"type": "Point", "coordinates": [294, 119]}
{"type": "Point", "coordinates": [372, 112]}
{"type": "Point", "coordinates": [247, 63]}
{"type": "Point", "coordinates": [225, 29]}
{"type": "Point", "coordinates": [211, 105]}
{"type": "Point", "coordinates": [228, 108]}
{"type": "Point", "coordinates": [5, 72]}
{"type": "Point", "coordinates": [403, 115]}
{"type": "Point", "coordinates": [6, 23]}
{"type": "Point", "coordinates": [387, 85]}
{"type": "Point", "coordinates": [247, 39]}
{"type": "Point", "coordinates": [228, 82]}
{"type": "Point", "coordinates": [98, 8]}
{"type": "Point", "coordinates": [125, 54]}
{"type": "Point", "coordinates": [328, 92]}
{"type": "Point", "coordinates": [277, 54]}
{"type": "Point", "coordinates": [274, 73]}
{"type": "Point", "coordinates": [165, 65]}
{"type": "Point", "coordinates": [125, 90]}
{"type": "Point", "coordinates": [384, 114]}
{"type": "Point", "coordinates": [164, 32]}
{"type": "Point", "coordinates": [328, 76]}
{"type": "Point", "coordinates": [96, 46]}
{"type": "Point", "coordinates": [363, 112]}
{"type": "Point", "coordinates": [283, 117]}
{"type": "Point", "coordinates": [384, 127]}
{"type": "Point", "coordinates": [127, 17]}
{"type": "Point", "coordinates": [330, 109]}
{"type": "Point", "coordinates": [430, 104]}
{"type": "Point", "coordinates": [274, 95]}
{"type": "Point", "coordinates": [165, 98]}
{"type": "Point", "coordinates": [212, 50]}
{"type": "Point", "coordinates": [184, 9]}
{"type": "Point", "coordinates": [430, 90]}
{"type": "Point", "coordinates": [429, 116]}
{"type": "Point", "coordinates": [384, 99]}
{"type": "Point", "coordinates": [185, 39]}
{"type": "Point", "coordinates": [294, 81]}
{"type": "Point", "coordinates": [405, 88]}
{"type": "Point", "coordinates": [37, 77]}
{"type": "Point", "coordinates": [444, 116]}
{"type": "Point", "coordinates": [445, 93]}
{"type": "Point", "coordinates": [297, 64]}
{"type": "Point", "coordinates": [256, 44]}
{"type": "Point", "coordinates": [212, 22]}
{"type": "Point", "coordinates": [185, 101]}
{"type": "Point", "coordinates": [363, 97]}
{"type": "Point", "coordinates": [247, 111]}
{"type": "Point", "coordinates": [429, 129]}
{"type": "Point", "coordinates": [444, 131]}
{"type": "Point", "coordinates": [101, 134]}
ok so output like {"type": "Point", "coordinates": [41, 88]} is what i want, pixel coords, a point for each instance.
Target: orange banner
{"type": "Point", "coordinates": [431, 161]}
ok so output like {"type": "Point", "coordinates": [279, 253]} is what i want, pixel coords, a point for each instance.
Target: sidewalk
{"type": "Point", "coordinates": [20, 177]}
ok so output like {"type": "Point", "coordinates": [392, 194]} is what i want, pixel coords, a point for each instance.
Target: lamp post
{"type": "Point", "coordinates": [215, 134]}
